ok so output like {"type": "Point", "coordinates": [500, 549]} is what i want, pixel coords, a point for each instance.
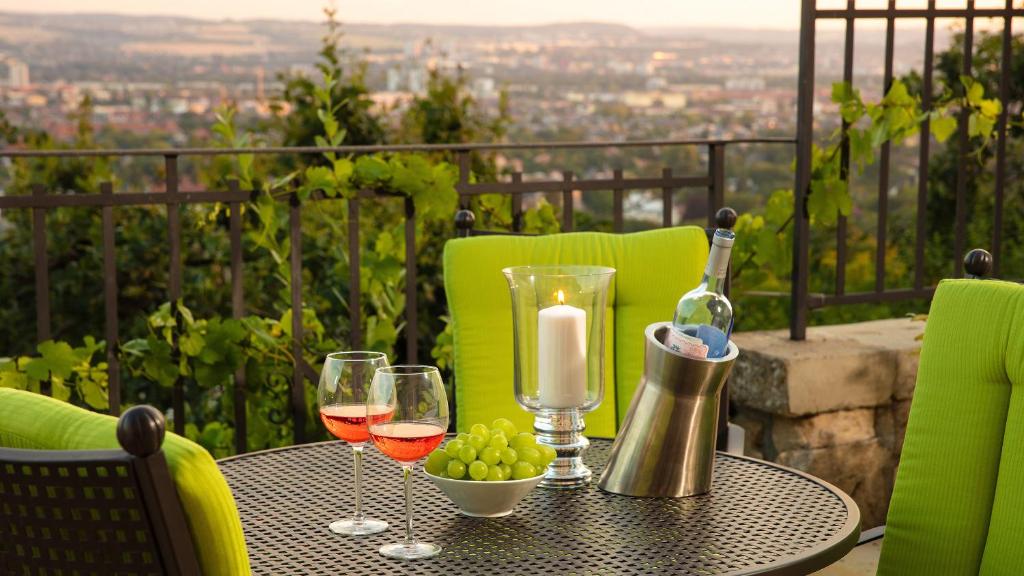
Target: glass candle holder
{"type": "Point", "coordinates": [558, 318]}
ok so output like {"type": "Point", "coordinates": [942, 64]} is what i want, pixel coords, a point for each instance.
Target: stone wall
{"type": "Point", "coordinates": [835, 405]}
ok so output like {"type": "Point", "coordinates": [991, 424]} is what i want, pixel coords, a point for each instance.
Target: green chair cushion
{"type": "Point", "coordinates": [37, 422]}
{"type": "Point", "coordinates": [653, 269]}
{"type": "Point", "coordinates": [958, 502]}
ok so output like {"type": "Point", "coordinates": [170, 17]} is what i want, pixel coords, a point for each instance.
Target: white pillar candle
{"type": "Point", "coordinates": [562, 355]}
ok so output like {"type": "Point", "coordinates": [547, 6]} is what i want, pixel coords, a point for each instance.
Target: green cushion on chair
{"type": "Point", "coordinates": [958, 503]}
{"type": "Point", "coordinates": [653, 269]}
{"type": "Point", "coordinates": [37, 422]}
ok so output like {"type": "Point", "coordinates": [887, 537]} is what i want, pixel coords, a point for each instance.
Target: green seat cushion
{"type": "Point", "coordinates": [37, 422]}
{"type": "Point", "coordinates": [653, 269]}
{"type": "Point", "coordinates": [958, 502]}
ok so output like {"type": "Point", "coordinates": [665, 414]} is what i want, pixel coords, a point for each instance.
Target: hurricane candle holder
{"type": "Point", "coordinates": [558, 318]}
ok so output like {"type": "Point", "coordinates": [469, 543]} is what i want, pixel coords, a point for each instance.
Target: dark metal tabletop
{"type": "Point", "coordinates": [759, 518]}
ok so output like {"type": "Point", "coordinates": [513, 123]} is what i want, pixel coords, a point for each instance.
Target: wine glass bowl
{"type": "Point", "coordinates": [344, 385]}
{"type": "Point", "coordinates": [410, 422]}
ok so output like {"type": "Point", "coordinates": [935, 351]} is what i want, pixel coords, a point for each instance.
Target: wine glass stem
{"type": "Point", "coordinates": [407, 475]}
{"type": "Point", "coordinates": [357, 455]}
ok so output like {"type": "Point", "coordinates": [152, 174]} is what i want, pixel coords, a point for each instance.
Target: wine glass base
{"type": "Point", "coordinates": [350, 527]}
{"type": "Point", "coordinates": [413, 551]}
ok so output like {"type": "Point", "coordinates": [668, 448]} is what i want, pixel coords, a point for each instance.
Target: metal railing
{"type": "Point", "coordinates": [802, 300]}
{"type": "Point", "coordinates": [173, 197]}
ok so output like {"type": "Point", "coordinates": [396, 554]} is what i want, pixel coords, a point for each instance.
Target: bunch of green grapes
{"type": "Point", "coordinates": [497, 453]}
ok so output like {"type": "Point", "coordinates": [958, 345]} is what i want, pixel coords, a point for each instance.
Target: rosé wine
{"type": "Point", "coordinates": [407, 441]}
{"type": "Point", "coordinates": [348, 421]}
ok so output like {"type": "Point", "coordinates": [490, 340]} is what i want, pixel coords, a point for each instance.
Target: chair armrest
{"type": "Point", "coordinates": [871, 534]}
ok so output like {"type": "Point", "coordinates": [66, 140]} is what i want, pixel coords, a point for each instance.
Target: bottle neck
{"type": "Point", "coordinates": [716, 269]}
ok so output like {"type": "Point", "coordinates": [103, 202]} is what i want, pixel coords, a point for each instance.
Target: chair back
{"type": "Point", "coordinates": [95, 511]}
{"type": "Point", "coordinates": [958, 503]}
{"type": "Point", "coordinates": [72, 502]}
{"type": "Point", "coordinates": [653, 269]}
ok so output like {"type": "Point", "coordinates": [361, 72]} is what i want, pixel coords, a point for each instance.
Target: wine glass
{"type": "Point", "coordinates": [344, 383]}
{"type": "Point", "coordinates": [412, 429]}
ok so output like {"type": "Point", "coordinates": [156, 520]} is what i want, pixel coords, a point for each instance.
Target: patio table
{"type": "Point", "coordinates": [759, 518]}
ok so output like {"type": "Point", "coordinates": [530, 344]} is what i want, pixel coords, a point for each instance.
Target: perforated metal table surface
{"type": "Point", "coordinates": [759, 518]}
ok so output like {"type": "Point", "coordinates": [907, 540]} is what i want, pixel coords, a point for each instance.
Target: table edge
{"type": "Point", "coordinates": [824, 554]}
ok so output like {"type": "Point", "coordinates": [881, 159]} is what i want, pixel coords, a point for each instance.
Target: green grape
{"type": "Point", "coordinates": [482, 431]}
{"type": "Point", "coordinates": [531, 455]}
{"type": "Point", "coordinates": [456, 469]}
{"type": "Point", "coordinates": [467, 454]}
{"type": "Point", "coordinates": [477, 442]}
{"type": "Point", "coordinates": [478, 470]}
{"type": "Point", "coordinates": [547, 454]}
{"type": "Point", "coordinates": [453, 447]}
{"type": "Point", "coordinates": [523, 440]}
{"type": "Point", "coordinates": [444, 474]}
{"type": "Point", "coordinates": [436, 462]}
{"type": "Point", "coordinates": [499, 442]}
{"type": "Point", "coordinates": [463, 437]}
{"type": "Point", "coordinates": [523, 470]}
{"type": "Point", "coordinates": [495, 474]}
{"type": "Point", "coordinates": [509, 456]}
{"type": "Point", "coordinates": [506, 469]}
{"type": "Point", "coordinates": [490, 455]}
{"type": "Point", "coordinates": [506, 426]}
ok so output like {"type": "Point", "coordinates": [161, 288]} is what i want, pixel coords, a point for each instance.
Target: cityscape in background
{"type": "Point", "coordinates": [163, 78]}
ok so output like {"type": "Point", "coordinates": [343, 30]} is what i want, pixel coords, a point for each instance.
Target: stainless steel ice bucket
{"type": "Point", "coordinates": [666, 446]}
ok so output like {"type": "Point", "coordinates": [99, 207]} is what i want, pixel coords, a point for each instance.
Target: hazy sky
{"type": "Point", "coordinates": [743, 13]}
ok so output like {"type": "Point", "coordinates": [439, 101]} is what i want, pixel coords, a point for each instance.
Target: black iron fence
{"type": "Point", "coordinates": [711, 179]}
{"type": "Point", "coordinates": [802, 299]}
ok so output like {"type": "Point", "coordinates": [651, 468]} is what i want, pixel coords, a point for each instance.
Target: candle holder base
{"type": "Point", "coordinates": [562, 430]}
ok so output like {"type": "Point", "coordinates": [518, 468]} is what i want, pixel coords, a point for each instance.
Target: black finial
{"type": "Point", "coordinates": [464, 222]}
{"type": "Point", "coordinates": [978, 263]}
{"type": "Point", "coordinates": [725, 218]}
{"type": "Point", "coordinates": [140, 430]}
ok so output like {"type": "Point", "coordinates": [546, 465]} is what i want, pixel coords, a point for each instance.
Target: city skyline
{"type": "Point", "coordinates": [758, 14]}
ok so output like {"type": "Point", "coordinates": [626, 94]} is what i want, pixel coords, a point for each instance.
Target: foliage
{"type": "Point", "coordinates": [765, 240]}
{"type": "Point", "coordinates": [71, 373]}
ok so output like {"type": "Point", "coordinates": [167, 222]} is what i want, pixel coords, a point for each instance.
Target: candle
{"type": "Point", "coordinates": [562, 355]}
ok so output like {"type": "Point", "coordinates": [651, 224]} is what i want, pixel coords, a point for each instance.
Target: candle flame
{"type": "Point", "coordinates": [561, 297]}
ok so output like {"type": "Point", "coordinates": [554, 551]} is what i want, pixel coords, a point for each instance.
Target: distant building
{"type": "Point", "coordinates": [17, 72]}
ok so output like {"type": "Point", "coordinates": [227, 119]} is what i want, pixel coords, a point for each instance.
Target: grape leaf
{"type": "Point", "coordinates": [943, 127]}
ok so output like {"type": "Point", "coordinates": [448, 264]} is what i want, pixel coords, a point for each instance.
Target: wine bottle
{"type": "Point", "coordinates": [703, 319]}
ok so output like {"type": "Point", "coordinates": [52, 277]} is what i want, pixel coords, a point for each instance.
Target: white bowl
{"type": "Point", "coordinates": [485, 499]}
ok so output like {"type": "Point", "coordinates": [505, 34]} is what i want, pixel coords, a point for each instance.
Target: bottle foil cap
{"type": "Point", "coordinates": [723, 238]}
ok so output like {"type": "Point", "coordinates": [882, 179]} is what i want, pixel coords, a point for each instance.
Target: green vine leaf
{"type": "Point", "coordinates": [371, 171]}
{"type": "Point", "coordinates": [942, 127]}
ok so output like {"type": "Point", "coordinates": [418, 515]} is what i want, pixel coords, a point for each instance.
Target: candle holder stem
{"type": "Point", "coordinates": [562, 429]}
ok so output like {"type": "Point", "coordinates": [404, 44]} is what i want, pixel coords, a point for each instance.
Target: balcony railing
{"type": "Point", "coordinates": [711, 179]}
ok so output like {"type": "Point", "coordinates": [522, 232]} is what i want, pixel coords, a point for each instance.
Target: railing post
{"type": "Point", "coordinates": [42, 269]}
{"type": "Point", "coordinates": [355, 311]}
{"type": "Point", "coordinates": [963, 141]}
{"type": "Point", "coordinates": [174, 285]}
{"type": "Point", "coordinates": [110, 302]}
{"type": "Point", "coordinates": [464, 171]}
{"type": "Point", "coordinates": [666, 199]}
{"type": "Point", "coordinates": [237, 312]}
{"type": "Point", "coordinates": [298, 390]}
{"type": "Point", "coordinates": [804, 137]}
{"type": "Point", "coordinates": [716, 181]}
{"type": "Point", "coordinates": [617, 201]}
{"type": "Point", "coordinates": [567, 202]}
{"type": "Point", "coordinates": [411, 311]}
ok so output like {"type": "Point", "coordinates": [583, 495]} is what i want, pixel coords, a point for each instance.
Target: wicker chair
{"type": "Point", "coordinates": [95, 511]}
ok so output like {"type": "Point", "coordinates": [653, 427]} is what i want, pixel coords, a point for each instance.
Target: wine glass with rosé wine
{"type": "Point", "coordinates": [344, 385]}
{"type": "Point", "coordinates": [412, 428]}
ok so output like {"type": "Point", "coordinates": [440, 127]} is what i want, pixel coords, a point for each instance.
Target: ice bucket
{"type": "Point", "coordinates": [666, 446]}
